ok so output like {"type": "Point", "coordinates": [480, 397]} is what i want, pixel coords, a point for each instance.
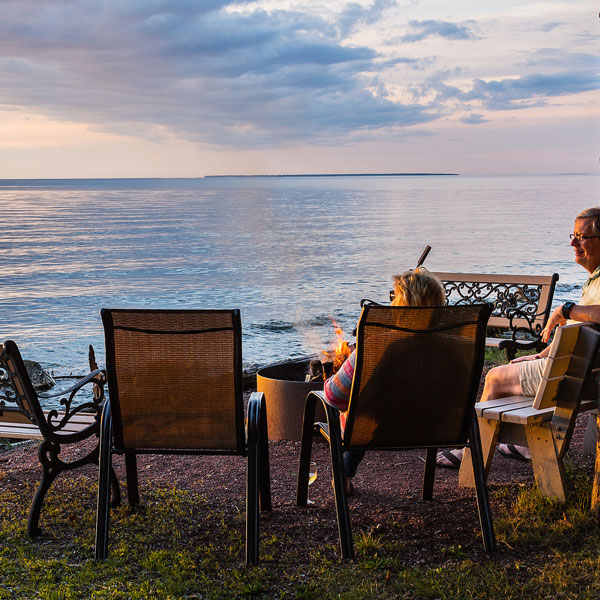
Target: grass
{"type": "Point", "coordinates": [179, 546]}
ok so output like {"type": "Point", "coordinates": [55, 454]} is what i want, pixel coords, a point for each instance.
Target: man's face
{"type": "Point", "coordinates": [587, 251]}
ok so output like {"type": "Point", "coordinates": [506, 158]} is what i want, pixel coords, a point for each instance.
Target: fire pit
{"type": "Point", "coordinates": [285, 388]}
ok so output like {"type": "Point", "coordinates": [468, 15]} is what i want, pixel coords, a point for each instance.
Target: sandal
{"type": "Point", "coordinates": [520, 453]}
{"type": "Point", "coordinates": [449, 459]}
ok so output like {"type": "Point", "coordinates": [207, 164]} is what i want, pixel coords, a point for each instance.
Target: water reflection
{"type": "Point", "coordinates": [291, 253]}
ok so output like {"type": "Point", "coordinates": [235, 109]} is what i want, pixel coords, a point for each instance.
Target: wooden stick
{"type": "Point", "coordinates": [423, 256]}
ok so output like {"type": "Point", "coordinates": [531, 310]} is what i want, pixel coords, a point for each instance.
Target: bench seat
{"type": "Point", "coordinates": [14, 425]}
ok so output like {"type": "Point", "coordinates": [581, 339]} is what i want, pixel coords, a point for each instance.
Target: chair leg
{"type": "Point", "coordinates": [252, 482]}
{"type": "Point", "coordinates": [264, 468]}
{"type": "Point", "coordinates": [483, 502]}
{"type": "Point", "coordinates": [115, 496]}
{"type": "Point", "coordinates": [308, 424]}
{"type": "Point", "coordinates": [133, 490]}
{"type": "Point", "coordinates": [429, 473]}
{"type": "Point", "coordinates": [339, 487]}
{"type": "Point", "coordinates": [104, 469]}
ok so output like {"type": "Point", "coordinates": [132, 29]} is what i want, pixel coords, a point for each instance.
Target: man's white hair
{"type": "Point", "coordinates": [591, 213]}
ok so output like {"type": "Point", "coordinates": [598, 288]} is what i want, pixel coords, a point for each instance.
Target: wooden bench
{"type": "Point", "coordinates": [521, 305]}
{"type": "Point", "coordinates": [22, 418]}
{"type": "Point", "coordinates": [545, 423]}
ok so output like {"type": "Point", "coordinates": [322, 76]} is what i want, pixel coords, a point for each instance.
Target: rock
{"type": "Point", "coordinates": [40, 378]}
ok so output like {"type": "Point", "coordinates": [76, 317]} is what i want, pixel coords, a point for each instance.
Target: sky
{"type": "Point", "coordinates": [188, 88]}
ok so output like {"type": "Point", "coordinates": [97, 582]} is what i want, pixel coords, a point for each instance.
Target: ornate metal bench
{"type": "Point", "coordinates": [521, 305]}
{"type": "Point", "coordinates": [22, 417]}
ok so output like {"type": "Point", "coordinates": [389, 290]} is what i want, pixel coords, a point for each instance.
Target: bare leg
{"type": "Point", "coordinates": [502, 381]}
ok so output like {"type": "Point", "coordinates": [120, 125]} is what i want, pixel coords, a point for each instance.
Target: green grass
{"type": "Point", "coordinates": [179, 546]}
{"type": "Point", "coordinates": [498, 357]}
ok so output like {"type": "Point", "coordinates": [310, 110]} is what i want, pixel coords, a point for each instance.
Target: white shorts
{"type": "Point", "coordinates": [530, 375]}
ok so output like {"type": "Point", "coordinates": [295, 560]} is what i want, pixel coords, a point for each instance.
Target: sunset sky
{"type": "Point", "coordinates": [157, 88]}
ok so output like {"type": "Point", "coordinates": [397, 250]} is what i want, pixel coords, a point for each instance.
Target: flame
{"type": "Point", "coordinates": [340, 350]}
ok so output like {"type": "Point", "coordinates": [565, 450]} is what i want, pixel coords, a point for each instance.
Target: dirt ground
{"type": "Point", "coordinates": [387, 492]}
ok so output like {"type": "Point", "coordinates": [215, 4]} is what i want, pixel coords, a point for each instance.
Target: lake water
{"type": "Point", "coordinates": [291, 252]}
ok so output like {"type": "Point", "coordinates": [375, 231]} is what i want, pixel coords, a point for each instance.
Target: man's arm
{"type": "Point", "coordinates": [579, 312]}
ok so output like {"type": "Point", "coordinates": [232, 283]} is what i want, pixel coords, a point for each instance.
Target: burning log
{"type": "Point", "coordinates": [319, 371]}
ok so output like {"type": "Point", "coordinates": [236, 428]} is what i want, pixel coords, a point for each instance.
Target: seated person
{"type": "Point", "coordinates": [412, 288]}
{"type": "Point", "coordinates": [522, 375]}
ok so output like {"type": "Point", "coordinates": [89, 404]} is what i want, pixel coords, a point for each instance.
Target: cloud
{"type": "Point", "coordinates": [546, 27]}
{"type": "Point", "coordinates": [443, 29]}
{"type": "Point", "coordinates": [559, 59]}
{"type": "Point", "coordinates": [354, 15]}
{"type": "Point", "coordinates": [528, 90]}
{"type": "Point", "coordinates": [473, 119]}
{"type": "Point", "coordinates": [213, 72]}
{"type": "Point", "coordinates": [233, 74]}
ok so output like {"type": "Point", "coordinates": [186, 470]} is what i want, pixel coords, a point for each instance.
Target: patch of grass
{"type": "Point", "coordinates": [496, 357]}
{"type": "Point", "coordinates": [180, 546]}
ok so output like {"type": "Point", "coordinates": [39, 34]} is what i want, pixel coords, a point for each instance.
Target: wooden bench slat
{"type": "Point", "coordinates": [508, 400]}
{"type": "Point", "coordinates": [23, 429]}
{"type": "Point", "coordinates": [528, 415]}
{"type": "Point", "coordinates": [497, 413]}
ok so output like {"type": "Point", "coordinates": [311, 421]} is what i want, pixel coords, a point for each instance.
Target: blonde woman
{"type": "Point", "coordinates": [412, 288]}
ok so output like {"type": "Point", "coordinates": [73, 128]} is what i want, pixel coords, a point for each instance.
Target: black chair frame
{"type": "Point", "coordinates": [331, 431]}
{"type": "Point", "coordinates": [255, 449]}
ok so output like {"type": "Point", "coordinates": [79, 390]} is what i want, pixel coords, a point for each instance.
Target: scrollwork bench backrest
{"type": "Point", "coordinates": [17, 393]}
{"type": "Point", "coordinates": [520, 302]}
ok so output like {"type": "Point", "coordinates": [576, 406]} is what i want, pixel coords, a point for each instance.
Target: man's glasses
{"type": "Point", "coordinates": [579, 237]}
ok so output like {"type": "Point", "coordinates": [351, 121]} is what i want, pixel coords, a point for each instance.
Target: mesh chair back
{"type": "Point", "coordinates": [175, 379]}
{"type": "Point", "coordinates": [417, 375]}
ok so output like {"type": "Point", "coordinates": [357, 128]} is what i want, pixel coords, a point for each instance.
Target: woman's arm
{"type": "Point", "coordinates": [337, 387]}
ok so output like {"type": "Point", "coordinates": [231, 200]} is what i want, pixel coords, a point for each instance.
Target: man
{"type": "Point", "coordinates": [523, 375]}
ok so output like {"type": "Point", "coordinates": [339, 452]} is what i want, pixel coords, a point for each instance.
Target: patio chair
{"type": "Point", "coordinates": [415, 384]}
{"type": "Point", "coordinates": [175, 387]}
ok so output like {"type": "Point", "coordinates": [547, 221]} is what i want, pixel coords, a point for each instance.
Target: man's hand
{"type": "Point", "coordinates": [524, 358]}
{"type": "Point", "coordinates": [555, 319]}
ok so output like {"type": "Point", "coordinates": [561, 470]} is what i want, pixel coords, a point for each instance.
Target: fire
{"type": "Point", "coordinates": [341, 350]}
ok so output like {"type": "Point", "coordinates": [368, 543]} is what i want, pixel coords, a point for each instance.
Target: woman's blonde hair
{"type": "Point", "coordinates": [418, 288]}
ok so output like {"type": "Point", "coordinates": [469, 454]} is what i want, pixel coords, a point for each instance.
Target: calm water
{"type": "Point", "coordinates": [291, 253]}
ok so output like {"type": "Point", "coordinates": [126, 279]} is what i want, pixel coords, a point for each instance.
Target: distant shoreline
{"type": "Point", "coordinates": [344, 175]}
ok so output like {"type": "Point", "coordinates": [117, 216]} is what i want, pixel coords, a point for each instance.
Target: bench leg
{"type": "Point", "coordinates": [489, 432]}
{"type": "Point", "coordinates": [589, 441]}
{"type": "Point", "coordinates": [547, 466]}
{"type": "Point", "coordinates": [49, 474]}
